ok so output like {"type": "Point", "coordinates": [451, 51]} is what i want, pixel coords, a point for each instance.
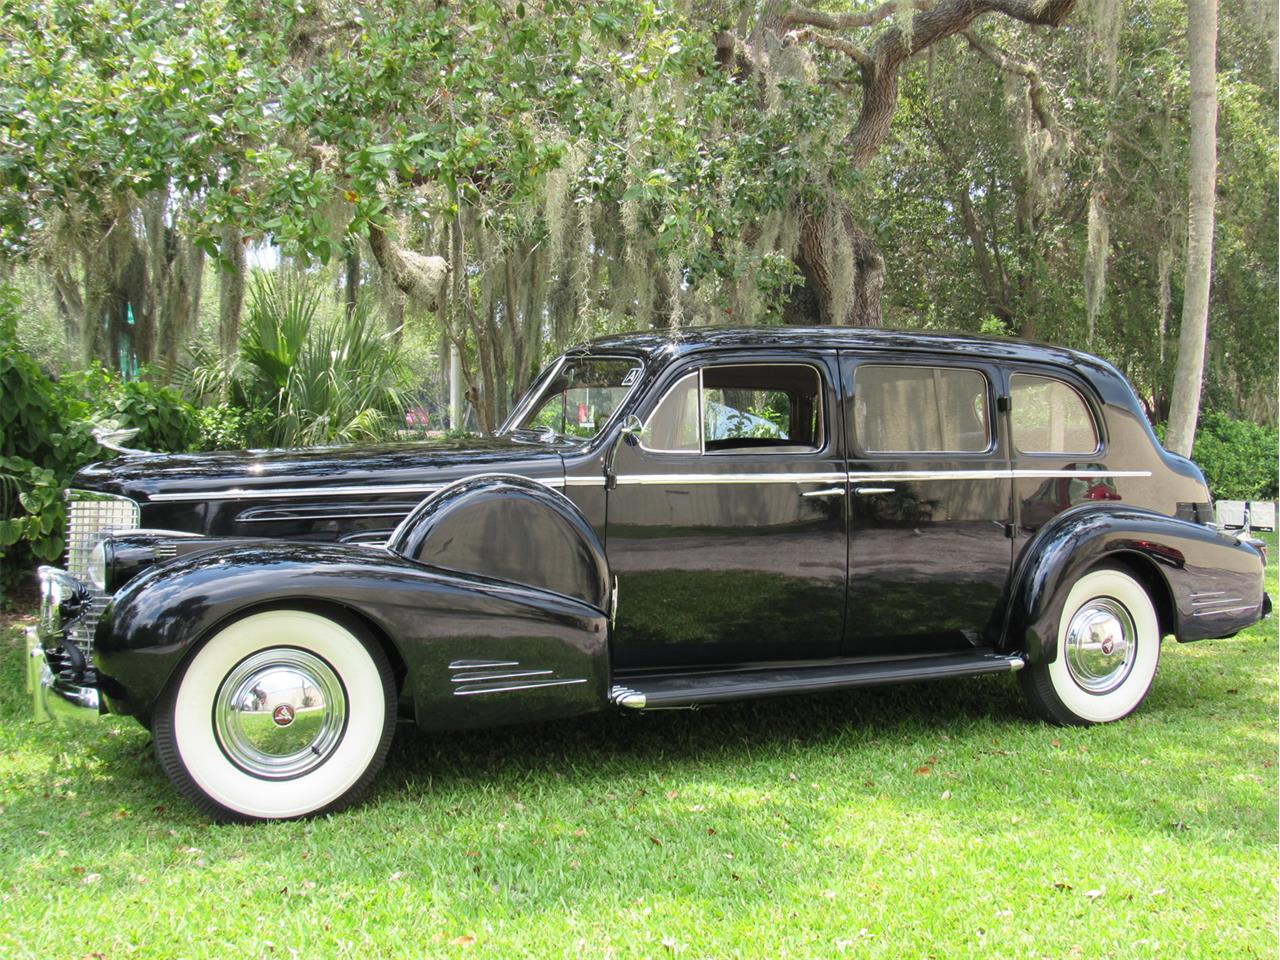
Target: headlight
{"type": "Point", "coordinates": [100, 563]}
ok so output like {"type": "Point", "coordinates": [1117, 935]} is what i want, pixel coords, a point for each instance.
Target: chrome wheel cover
{"type": "Point", "coordinates": [1101, 644]}
{"type": "Point", "coordinates": [280, 713]}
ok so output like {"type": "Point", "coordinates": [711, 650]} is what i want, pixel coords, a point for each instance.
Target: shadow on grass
{"type": "Point", "coordinates": [961, 757]}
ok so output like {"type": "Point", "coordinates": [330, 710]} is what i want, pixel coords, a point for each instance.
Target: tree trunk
{"type": "Point", "coordinates": [351, 282]}
{"type": "Point", "coordinates": [1188, 378]}
{"type": "Point", "coordinates": [230, 292]}
{"type": "Point", "coordinates": [843, 271]}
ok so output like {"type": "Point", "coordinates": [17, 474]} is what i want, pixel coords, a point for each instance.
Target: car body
{"type": "Point", "coordinates": [666, 520]}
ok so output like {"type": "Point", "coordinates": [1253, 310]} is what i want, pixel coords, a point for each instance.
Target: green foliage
{"type": "Point", "coordinates": [225, 426]}
{"type": "Point", "coordinates": [302, 380]}
{"type": "Point", "coordinates": [43, 441]}
{"type": "Point", "coordinates": [166, 422]}
{"type": "Point", "coordinates": [1239, 458]}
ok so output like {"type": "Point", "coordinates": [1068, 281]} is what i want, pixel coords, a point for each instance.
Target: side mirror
{"type": "Point", "coordinates": [632, 427]}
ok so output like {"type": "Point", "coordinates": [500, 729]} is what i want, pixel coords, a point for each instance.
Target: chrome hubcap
{"type": "Point", "coordinates": [1101, 644]}
{"type": "Point", "coordinates": [280, 713]}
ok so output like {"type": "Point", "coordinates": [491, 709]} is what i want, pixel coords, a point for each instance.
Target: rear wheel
{"type": "Point", "coordinates": [282, 714]}
{"type": "Point", "coordinates": [1108, 652]}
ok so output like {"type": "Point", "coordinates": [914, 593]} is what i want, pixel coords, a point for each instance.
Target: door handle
{"type": "Point", "coordinates": [871, 491]}
{"type": "Point", "coordinates": [828, 492]}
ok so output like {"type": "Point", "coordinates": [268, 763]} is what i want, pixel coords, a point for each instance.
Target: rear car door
{"type": "Point", "coordinates": [929, 504]}
{"type": "Point", "coordinates": [726, 529]}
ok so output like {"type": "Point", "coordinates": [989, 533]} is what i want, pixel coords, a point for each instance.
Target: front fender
{"type": "Point", "coordinates": [1212, 584]}
{"type": "Point", "coordinates": [459, 637]}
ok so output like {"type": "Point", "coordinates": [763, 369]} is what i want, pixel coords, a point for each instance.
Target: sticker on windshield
{"type": "Point", "coordinates": [630, 378]}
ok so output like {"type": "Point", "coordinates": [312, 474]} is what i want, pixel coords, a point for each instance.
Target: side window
{"type": "Point", "coordinates": [740, 407]}
{"type": "Point", "coordinates": [673, 425]}
{"type": "Point", "coordinates": [908, 409]}
{"type": "Point", "coordinates": [1050, 416]}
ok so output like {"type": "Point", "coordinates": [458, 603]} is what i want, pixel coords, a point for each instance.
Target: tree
{"type": "Point", "coordinates": [1202, 43]}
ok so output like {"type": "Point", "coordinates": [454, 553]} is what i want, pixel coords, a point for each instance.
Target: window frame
{"type": "Point", "coordinates": [1091, 408]}
{"type": "Point", "coordinates": [684, 373]}
{"type": "Point", "coordinates": [552, 371]}
{"type": "Point", "coordinates": [923, 363]}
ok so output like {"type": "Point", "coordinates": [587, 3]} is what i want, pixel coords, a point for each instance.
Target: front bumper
{"type": "Point", "coordinates": [55, 697]}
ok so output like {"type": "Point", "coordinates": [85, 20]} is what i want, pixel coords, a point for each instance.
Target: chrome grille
{"type": "Point", "coordinates": [90, 517]}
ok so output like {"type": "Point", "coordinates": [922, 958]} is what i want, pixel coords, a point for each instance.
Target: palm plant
{"type": "Point", "coordinates": [323, 380]}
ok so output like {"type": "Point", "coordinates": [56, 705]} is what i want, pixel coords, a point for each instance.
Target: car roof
{"type": "Point", "coordinates": [687, 340]}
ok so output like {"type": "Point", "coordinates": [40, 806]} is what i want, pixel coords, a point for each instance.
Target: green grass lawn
{"type": "Point", "coordinates": [921, 821]}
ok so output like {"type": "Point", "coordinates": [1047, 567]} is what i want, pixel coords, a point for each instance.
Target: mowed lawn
{"type": "Point", "coordinates": [921, 821]}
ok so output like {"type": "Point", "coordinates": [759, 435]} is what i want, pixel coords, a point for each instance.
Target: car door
{"type": "Point", "coordinates": [929, 504]}
{"type": "Point", "coordinates": [726, 528]}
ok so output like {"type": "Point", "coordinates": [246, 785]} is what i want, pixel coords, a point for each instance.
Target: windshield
{"type": "Point", "coordinates": [581, 396]}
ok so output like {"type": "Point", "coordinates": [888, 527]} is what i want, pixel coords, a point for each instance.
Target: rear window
{"type": "Point", "coordinates": [1050, 416]}
{"type": "Point", "coordinates": [914, 409]}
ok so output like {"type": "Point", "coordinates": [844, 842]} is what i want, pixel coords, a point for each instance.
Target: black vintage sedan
{"type": "Point", "coordinates": [665, 521]}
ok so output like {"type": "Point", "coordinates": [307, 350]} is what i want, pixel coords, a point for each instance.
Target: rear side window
{"type": "Point", "coordinates": [1050, 416]}
{"type": "Point", "coordinates": [910, 409]}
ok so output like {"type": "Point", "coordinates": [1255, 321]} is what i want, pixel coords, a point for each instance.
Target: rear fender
{"type": "Point", "coordinates": [1194, 567]}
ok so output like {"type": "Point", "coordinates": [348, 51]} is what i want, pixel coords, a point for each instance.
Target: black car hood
{"type": "Point", "coordinates": [368, 467]}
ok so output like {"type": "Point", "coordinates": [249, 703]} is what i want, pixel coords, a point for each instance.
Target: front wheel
{"type": "Point", "coordinates": [281, 714]}
{"type": "Point", "coordinates": [1108, 652]}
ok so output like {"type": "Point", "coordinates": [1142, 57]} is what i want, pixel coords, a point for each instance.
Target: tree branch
{"type": "Point", "coordinates": [843, 21]}
{"type": "Point", "coordinates": [894, 46]}
{"type": "Point", "coordinates": [1028, 71]}
{"type": "Point", "coordinates": [851, 50]}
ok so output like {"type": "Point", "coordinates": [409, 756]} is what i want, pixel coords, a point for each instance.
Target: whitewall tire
{"type": "Point", "coordinates": [281, 714]}
{"type": "Point", "coordinates": [1108, 652]}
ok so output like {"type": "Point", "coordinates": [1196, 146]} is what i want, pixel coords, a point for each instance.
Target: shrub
{"type": "Point", "coordinates": [1238, 457]}
{"type": "Point", "coordinates": [166, 423]}
{"type": "Point", "coordinates": [229, 427]}
{"type": "Point", "coordinates": [43, 441]}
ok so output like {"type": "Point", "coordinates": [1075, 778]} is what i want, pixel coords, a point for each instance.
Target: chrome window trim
{"type": "Point", "coordinates": [819, 450]}
{"type": "Point", "coordinates": [658, 406]}
{"type": "Point", "coordinates": [526, 402]}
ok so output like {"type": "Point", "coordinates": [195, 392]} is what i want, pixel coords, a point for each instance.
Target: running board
{"type": "Point", "coordinates": [671, 691]}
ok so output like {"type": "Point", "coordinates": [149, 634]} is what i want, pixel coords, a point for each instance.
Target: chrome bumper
{"type": "Point", "coordinates": [53, 697]}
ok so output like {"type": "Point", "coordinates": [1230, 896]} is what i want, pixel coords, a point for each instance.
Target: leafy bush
{"type": "Point", "coordinates": [228, 427]}
{"type": "Point", "coordinates": [43, 441]}
{"type": "Point", "coordinates": [1238, 457]}
{"type": "Point", "coordinates": [166, 423]}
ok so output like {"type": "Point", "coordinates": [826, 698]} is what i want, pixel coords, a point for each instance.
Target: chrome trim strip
{"type": "Point", "coordinates": [899, 475]}
{"type": "Point", "coordinates": [515, 675]}
{"type": "Point", "coordinates": [869, 491]}
{"type": "Point", "coordinates": [656, 478]}
{"type": "Point", "coordinates": [513, 689]}
{"type": "Point", "coordinates": [992, 474]}
{"type": "Point", "coordinates": [1204, 604]}
{"type": "Point", "coordinates": [1217, 610]}
{"type": "Point", "coordinates": [482, 664]}
{"type": "Point", "coordinates": [287, 492]}
{"type": "Point", "coordinates": [659, 478]}
{"type": "Point", "coordinates": [323, 516]}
